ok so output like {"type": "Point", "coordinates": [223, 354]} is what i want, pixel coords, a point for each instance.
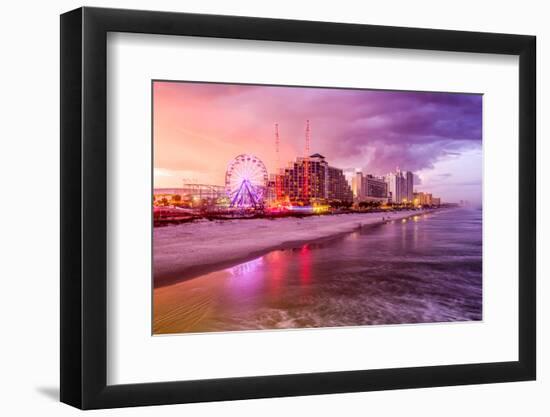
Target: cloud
{"type": "Point", "coordinates": [409, 129]}
{"type": "Point", "coordinates": [201, 126]}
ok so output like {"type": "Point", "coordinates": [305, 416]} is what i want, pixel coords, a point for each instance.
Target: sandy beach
{"type": "Point", "coordinates": [187, 250]}
{"type": "Point", "coordinates": [424, 269]}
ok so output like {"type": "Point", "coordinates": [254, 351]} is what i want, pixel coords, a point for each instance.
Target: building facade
{"type": "Point", "coordinates": [357, 185]}
{"type": "Point", "coordinates": [374, 189]}
{"type": "Point", "coordinates": [395, 186]}
{"type": "Point", "coordinates": [367, 187]}
{"type": "Point", "coordinates": [313, 178]}
{"type": "Point", "coordinates": [338, 187]}
{"type": "Point", "coordinates": [409, 179]}
{"type": "Point", "coordinates": [424, 199]}
{"type": "Point", "coordinates": [400, 186]}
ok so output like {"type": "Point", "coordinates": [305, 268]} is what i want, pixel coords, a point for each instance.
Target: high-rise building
{"type": "Point", "coordinates": [357, 185]}
{"type": "Point", "coordinates": [395, 183]}
{"type": "Point", "coordinates": [374, 189]}
{"type": "Point", "coordinates": [366, 187]}
{"type": "Point", "coordinates": [323, 181]}
{"type": "Point", "coordinates": [349, 173]}
{"type": "Point", "coordinates": [271, 193]}
{"type": "Point", "coordinates": [392, 182]}
{"type": "Point", "coordinates": [400, 187]}
{"type": "Point", "coordinates": [424, 199]}
{"type": "Point", "coordinates": [409, 178]}
{"type": "Point", "coordinates": [338, 188]}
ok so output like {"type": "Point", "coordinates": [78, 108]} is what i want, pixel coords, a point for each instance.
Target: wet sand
{"type": "Point", "coordinates": [271, 290]}
{"type": "Point", "coordinates": [185, 251]}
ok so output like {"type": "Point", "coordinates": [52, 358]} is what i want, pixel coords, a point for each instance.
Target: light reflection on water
{"type": "Point", "coordinates": [423, 269]}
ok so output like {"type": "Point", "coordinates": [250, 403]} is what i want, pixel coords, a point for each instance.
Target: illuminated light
{"type": "Point", "coordinates": [320, 209]}
{"type": "Point", "coordinates": [246, 267]}
{"type": "Point", "coordinates": [276, 262]}
{"type": "Point", "coordinates": [245, 181]}
{"type": "Point", "coordinates": [302, 209]}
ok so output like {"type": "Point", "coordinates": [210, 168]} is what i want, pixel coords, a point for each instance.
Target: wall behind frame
{"type": "Point", "coordinates": [29, 220]}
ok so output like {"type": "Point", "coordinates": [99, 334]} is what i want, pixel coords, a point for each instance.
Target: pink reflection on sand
{"type": "Point", "coordinates": [277, 262]}
{"type": "Point", "coordinates": [305, 265]}
{"type": "Point", "coordinates": [247, 277]}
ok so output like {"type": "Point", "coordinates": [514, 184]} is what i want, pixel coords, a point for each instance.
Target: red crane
{"type": "Point", "coordinates": [278, 185]}
{"type": "Point", "coordinates": [306, 162]}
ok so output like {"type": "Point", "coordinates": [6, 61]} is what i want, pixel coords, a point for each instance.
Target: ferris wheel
{"type": "Point", "coordinates": [246, 181]}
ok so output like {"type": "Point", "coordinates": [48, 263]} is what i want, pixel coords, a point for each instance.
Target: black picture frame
{"type": "Point", "coordinates": [84, 207]}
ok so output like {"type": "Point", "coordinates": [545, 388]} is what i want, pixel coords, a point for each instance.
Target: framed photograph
{"type": "Point", "coordinates": [257, 207]}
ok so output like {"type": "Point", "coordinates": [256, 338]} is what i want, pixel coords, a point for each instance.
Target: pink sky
{"type": "Point", "coordinates": [200, 127]}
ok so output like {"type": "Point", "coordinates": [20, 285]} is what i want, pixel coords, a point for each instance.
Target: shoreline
{"type": "Point", "coordinates": [184, 252]}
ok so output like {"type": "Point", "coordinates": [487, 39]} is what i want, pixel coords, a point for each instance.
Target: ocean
{"type": "Point", "coordinates": [424, 269]}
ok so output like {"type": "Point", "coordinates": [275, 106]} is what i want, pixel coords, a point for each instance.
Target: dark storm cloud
{"type": "Point", "coordinates": [411, 130]}
{"type": "Point", "coordinates": [374, 130]}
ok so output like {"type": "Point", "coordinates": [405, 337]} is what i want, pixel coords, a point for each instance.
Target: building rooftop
{"type": "Point", "coordinates": [317, 155]}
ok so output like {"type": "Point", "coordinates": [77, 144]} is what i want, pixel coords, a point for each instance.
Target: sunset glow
{"type": "Point", "coordinates": [200, 127]}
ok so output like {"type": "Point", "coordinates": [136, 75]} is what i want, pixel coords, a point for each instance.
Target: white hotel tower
{"type": "Point", "coordinates": [400, 185]}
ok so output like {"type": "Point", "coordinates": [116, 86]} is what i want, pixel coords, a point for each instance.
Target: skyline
{"type": "Point", "coordinates": [200, 127]}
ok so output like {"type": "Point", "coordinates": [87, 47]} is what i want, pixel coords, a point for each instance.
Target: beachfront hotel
{"type": "Point", "coordinates": [311, 178]}
{"type": "Point", "coordinates": [426, 199]}
{"type": "Point", "coordinates": [367, 187]}
{"type": "Point", "coordinates": [400, 186]}
{"type": "Point", "coordinates": [374, 189]}
{"type": "Point", "coordinates": [305, 181]}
